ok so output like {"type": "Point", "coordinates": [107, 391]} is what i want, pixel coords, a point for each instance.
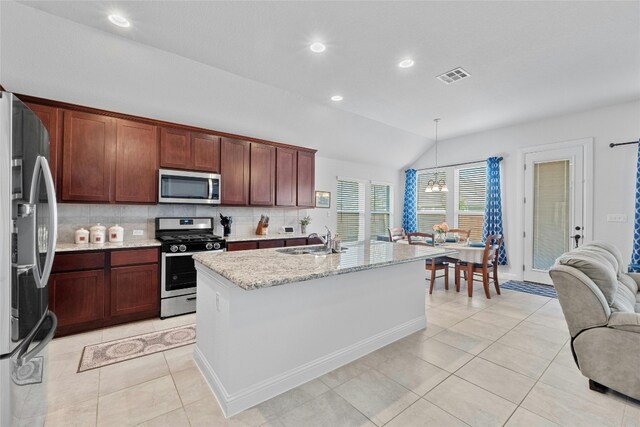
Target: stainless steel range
{"type": "Point", "coordinates": [181, 238]}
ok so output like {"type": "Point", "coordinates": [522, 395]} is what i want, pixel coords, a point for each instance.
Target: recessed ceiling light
{"type": "Point", "coordinates": [406, 63]}
{"type": "Point", "coordinates": [119, 20]}
{"type": "Point", "coordinates": [317, 47]}
{"type": "Point", "coordinates": [337, 98]}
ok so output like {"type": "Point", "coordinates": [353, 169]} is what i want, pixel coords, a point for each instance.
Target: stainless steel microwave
{"type": "Point", "coordinates": [176, 186]}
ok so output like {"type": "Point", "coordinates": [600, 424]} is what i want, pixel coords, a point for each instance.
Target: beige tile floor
{"type": "Point", "coordinates": [503, 361]}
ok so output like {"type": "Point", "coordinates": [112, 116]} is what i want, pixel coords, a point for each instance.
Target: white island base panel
{"type": "Point", "coordinates": [254, 345]}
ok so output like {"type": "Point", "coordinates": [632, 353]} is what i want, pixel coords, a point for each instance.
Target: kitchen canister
{"type": "Point", "coordinates": [97, 233]}
{"type": "Point", "coordinates": [82, 236]}
{"type": "Point", "coordinates": [116, 234]}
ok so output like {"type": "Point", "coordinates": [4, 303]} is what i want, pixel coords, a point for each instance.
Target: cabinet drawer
{"type": "Point", "coordinates": [266, 244]}
{"type": "Point", "coordinates": [135, 256]}
{"type": "Point", "coordinates": [241, 246]}
{"type": "Point", "coordinates": [78, 261]}
{"type": "Point", "coordinates": [296, 242]}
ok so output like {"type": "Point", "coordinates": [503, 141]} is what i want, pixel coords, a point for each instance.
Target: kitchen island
{"type": "Point", "coordinates": [270, 320]}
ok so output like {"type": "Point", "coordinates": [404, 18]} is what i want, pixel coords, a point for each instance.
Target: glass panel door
{"type": "Point", "coordinates": [551, 208]}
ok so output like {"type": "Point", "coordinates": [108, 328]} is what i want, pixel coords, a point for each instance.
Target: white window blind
{"type": "Point", "coordinates": [432, 207]}
{"type": "Point", "coordinates": [471, 191]}
{"type": "Point", "coordinates": [350, 210]}
{"type": "Point", "coordinates": [380, 209]}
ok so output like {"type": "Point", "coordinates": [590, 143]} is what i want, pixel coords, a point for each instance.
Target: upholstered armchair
{"type": "Point", "coordinates": [601, 305]}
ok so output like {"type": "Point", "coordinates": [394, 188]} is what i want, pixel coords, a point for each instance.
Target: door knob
{"type": "Point", "coordinates": [576, 237]}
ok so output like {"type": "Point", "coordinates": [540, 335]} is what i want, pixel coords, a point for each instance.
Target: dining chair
{"type": "Point", "coordinates": [396, 233]}
{"type": "Point", "coordinates": [488, 269]}
{"type": "Point", "coordinates": [433, 264]}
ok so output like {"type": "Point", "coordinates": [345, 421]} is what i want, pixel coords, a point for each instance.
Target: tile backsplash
{"type": "Point", "coordinates": [138, 217]}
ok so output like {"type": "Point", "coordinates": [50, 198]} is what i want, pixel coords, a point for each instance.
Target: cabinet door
{"type": "Point", "coordinates": [306, 179]}
{"type": "Point", "coordinates": [262, 175]}
{"type": "Point", "coordinates": [286, 176]}
{"type": "Point", "coordinates": [88, 150]}
{"type": "Point", "coordinates": [51, 119]}
{"type": "Point", "coordinates": [77, 297]}
{"type": "Point", "coordinates": [175, 149]}
{"type": "Point", "coordinates": [134, 289]}
{"type": "Point", "coordinates": [205, 152]}
{"type": "Point", "coordinates": [234, 171]}
{"type": "Point", "coordinates": [136, 162]}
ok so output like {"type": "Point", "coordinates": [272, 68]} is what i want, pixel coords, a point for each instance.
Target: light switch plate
{"type": "Point", "coordinates": [138, 232]}
{"type": "Point", "coordinates": [616, 218]}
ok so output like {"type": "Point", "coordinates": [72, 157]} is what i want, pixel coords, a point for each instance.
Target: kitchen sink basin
{"type": "Point", "coordinates": [314, 250]}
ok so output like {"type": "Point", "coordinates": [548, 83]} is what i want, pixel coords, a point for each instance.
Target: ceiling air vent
{"type": "Point", "coordinates": [453, 76]}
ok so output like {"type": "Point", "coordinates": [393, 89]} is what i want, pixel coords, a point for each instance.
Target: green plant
{"type": "Point", "coordinates": [306, 220]}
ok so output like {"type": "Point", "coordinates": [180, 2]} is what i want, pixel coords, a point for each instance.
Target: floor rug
{"type": "Point", "coordinates": [108, 353]}
{"type": "Point", "coordinates": [530, 288]}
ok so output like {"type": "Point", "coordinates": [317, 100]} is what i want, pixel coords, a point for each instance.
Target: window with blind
{"type": "Point", "coordinates": [350, 210]}
{"type": "Point", "coordinates": [380, 209]}
{"type": "Point", "coordinates": [470, 192]}
{"type": "Point", "coordinates": [432, 206]}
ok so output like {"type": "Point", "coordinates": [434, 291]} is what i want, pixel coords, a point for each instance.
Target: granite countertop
{"type": "Point", "coordinates": [252, 237]}
{"type": "Point", "coordinates": [131, 244]}
{"type": "Point", "coordinates": [263, 268]}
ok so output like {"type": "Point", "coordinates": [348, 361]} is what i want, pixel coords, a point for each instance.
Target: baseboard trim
{"type": "Point", "coordinates": [232, 404]}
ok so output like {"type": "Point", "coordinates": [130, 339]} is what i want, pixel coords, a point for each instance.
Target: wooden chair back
{"type": "Point", "coordinates": [396, 233]}
{"type": "Point", "coordinates": [421, 239]}
{"type": "Point", "coordinates": [491, 248]}
{"type": "Point", "coordinates": [464, 234]}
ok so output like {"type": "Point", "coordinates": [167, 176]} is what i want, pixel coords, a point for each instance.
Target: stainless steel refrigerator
{"type": "Point", "coordinates": [28, 228]}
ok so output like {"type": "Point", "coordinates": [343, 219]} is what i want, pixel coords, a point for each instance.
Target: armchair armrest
{"type": "Point", "coordinates": [625, 321]}
{"type": "Point", "coordinates": [635, 276]}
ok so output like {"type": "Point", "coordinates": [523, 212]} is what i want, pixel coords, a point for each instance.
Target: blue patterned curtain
{"type": "Point", "coordinates": [409, 213]}
{"type": "Point", "coordinates": [493, 206]}
{"type": "Point", "coordinates": [634, 267]}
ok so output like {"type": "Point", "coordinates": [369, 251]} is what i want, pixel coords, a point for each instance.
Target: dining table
{"type": "Point", "coordinates": [472, 253]}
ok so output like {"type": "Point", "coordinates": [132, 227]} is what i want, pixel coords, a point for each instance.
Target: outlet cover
{"type": "Point", "coordinates": [138, 232]}
{"type": "Point", "coordinates": [616, 218]}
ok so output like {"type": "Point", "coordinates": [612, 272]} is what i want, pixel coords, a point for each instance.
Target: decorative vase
{"type": "Point", "coordinates": [441, 238]}
{"type": "Point", "coordinates": [303, 228]}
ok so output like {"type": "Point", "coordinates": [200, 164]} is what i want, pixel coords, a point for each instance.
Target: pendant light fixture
{"type": "Point", "coordinates": [435, 184]}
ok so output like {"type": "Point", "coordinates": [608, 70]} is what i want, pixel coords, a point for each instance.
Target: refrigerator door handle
{"type": "Point", "coordinates": [23, 357]}
{"type": "Point", "coordinates": [43, 164]}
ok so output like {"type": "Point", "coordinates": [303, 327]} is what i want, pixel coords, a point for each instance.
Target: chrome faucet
{"type": "Point", "coordinates": [327, 240]}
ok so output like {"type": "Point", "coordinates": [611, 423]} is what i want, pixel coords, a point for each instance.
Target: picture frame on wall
{"type": "Point", "coordinates": [323, 199]}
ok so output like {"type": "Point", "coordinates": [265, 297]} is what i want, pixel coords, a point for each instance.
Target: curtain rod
{"type": "Point", "coordinates": [615, 144]}
{"type": "Point", "coordinates": [456, 164]}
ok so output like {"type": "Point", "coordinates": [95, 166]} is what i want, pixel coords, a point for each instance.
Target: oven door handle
{"type": "Point", "coordinates": [174, 254]}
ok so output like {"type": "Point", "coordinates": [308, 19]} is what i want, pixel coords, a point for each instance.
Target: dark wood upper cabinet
{"type": "Point", "coordinates": [306, 179]}
{"type": "Point", "coordinates": [175, 148]}
{"type": "Point", "coordinates": [136, 162]}
{"type": "Point", "coordinates": [262, 175]}
{"type": "Point", "coordinates": [205, 152]}
{"type": "Point", "coordinates": [234, 171]}
{"type": "Point", "coordinates": [286, 176]}
{"type": "Point", "coordinates": [88, 152]}
{"type": "Point", "coordinates": [52, 121]}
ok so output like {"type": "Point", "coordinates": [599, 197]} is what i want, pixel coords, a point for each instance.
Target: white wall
{"type": "Point", "coordinates": [327, 171]}
{"type": "Point", "coordinates": [50, 57]}
{"type": "Point", "coordinates": [614, 168]}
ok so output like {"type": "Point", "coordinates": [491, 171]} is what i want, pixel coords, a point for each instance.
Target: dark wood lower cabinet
{"type": "Point", "coordinates": [241, 246]}
{"type": "Point", "coordinates": [77, 299]}
{"type": "Point", "coordinates": [134, 290]}
{"type": "Point", "coordinates": [90, 290]}
{"type": "Point", "coordinates": [296, 242]}
{"type": "Point", "coordinates": [267, 244]}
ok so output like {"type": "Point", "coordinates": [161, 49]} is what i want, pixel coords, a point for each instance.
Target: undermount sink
{"type": "Point", "coordinates": [314, 250]}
